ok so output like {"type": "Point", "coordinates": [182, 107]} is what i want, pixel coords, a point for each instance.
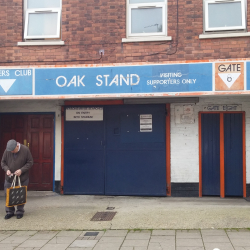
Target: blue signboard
{"type": "Point", "coordinates": [126, 79]}
{"type": "Point", "coordinates": [16, 81]}
{"type": "Point", "coordinates": [248, 75]}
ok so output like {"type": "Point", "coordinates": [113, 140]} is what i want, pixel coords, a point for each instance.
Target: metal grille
{"type": "Point", "coordinates": [103, 216]}
{"type": "Point", "coordinates": [91, 234]}
{"type": "Point", "coordinates": [110, 208]}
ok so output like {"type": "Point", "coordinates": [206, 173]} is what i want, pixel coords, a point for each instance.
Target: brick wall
{"type": "Point", "coordinates": [91, 25]}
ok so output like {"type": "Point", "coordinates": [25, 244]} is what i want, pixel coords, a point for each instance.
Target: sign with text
{"type": "Point", "coordinates": [226, 107]}
{"type": "Point", "coordinates": [16, 81]}
{"type": "Point", "coordinates": [125, 79]}
{"type": "Point", "coordinates": [146, 124]}
{"type": "Point", "coordinates": [84, 114]}
{"type": "Point", "coordinates": [229, 76]}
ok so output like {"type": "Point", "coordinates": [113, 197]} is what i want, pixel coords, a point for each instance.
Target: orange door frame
{"type": "Point", "coordinates": [116, 102]}
{"type": "Point", "coordinates": [222, 166]}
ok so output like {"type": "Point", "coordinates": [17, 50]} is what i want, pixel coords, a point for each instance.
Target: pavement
{"type": "Point", "coordinates": [58, 222]}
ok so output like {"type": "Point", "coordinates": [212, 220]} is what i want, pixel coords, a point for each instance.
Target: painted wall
{"type": "Point", "coordinates": [185, 140]}
{"type": "Point", "coordinates": [40, 106]}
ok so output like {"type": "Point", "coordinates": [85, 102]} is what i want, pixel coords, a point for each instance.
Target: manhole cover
{"type": "Point", "coordinates": [103, 216]}
{"type": "Point", "coordinates": [110, 208]}
{"type": "Point", "coordinates": [91, 234]}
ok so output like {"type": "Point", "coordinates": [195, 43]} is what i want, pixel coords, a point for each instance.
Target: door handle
{"type": "Point", "coordinates": [25, 142]}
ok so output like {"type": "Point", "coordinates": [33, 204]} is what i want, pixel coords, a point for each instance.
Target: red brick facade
{"type": "Point", "coordinates": [91, 25]}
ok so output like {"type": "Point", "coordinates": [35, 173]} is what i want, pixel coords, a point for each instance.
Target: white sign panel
{"type": "Point", "coordinates": [146, 123]}
{"type": "Point", "coordinates": [84, 114]}
{"type": "Point", "coordinates": [184, 114]}
{"type": "Point", "coordinates": [227, 107]}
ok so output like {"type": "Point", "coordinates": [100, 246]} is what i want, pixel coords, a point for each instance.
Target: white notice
{"type": "Point", "coordinates": [146, 123]}
{"type": "Point", "coordinates": [84, 114]}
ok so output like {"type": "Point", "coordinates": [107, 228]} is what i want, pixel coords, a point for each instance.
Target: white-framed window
{"type": "Point", "coordinates": [146, 18]}
{"type": "Point", "coordinates": [223, 15]}
{"type": "Point", "coordinates": [42, 19]}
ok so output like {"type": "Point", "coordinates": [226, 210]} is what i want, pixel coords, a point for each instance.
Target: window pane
{"type": "Point", "coordinates": [146, 1]}
{"type": "Point", "coordinates": [42, 24]}
{"type": "Point", "coordinates": [146, 20]}
{"type": "Point", "coordinates": [43, 4]}
{"type": "Point", "coordinates": [224, 14]}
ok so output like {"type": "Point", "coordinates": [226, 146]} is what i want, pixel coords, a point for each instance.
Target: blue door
{"type": "Point", "coordinates": [210, 129]}
{"type": "Point", "coordinates": [83, 157]}
{"type": "Point", "coordinates": [233, 154]}
{"type": "Point", "coordinates": [135, 160]}
{"type": "Point", "coordinates": [119, 155]}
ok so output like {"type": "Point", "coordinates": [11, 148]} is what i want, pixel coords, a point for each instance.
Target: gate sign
{"type": "Point", "coordinates": [229, 76]}
{"type": "Point", "coordinates": [124, 79]}
{"type": "Point", "coordinates": [16, 81]}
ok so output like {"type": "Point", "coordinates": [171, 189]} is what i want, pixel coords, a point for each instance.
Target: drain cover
{"type": "Point", "coordinates": [103, 216]}
{"type": "Point", "coordinates": [91, 234]}
{"type": "Point", "coordinates": [110, 208]}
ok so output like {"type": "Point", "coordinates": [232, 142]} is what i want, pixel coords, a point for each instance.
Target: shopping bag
{"type": "Point", "coordinates": [16, 195]}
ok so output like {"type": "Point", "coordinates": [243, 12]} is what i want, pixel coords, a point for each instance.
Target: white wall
{"type": "Point", "coordinates": [185, 140]}
{"type": "Point", "coordinates": [40, 106]}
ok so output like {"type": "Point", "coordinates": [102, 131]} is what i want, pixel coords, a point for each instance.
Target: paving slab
{"type": "Point", "coordinates": [115, 233]}
{"type": "Point", "coordinates": [163, 232]}
{"type": "Point", "coordinates": [62, 240]}
{"type": "Point", "coordinates": [221, 246]}
{"type": "Point", "coordinates": [107, 245]}
{"type": "Point", "coordinates": [8, 246]}
{"type": "Point", "coordinates": [15, 239]}
{"type": "Point", "coordinates": [138, 236]}
{"type": "Point", "coordinates": [190, 248]}
{"type": "Point", "coordinates": [84, 243]}
{"type": "Point", "coordinates": [55, 247]}
{"type": "Point", "coordinates": [112, 239]}
{"type": "Point", "coordinates": [69, 233]}
{"type": "Point", "coordinates": [189, 242]}
{"type": "Point", "coordinates": [215, 239]}
{"type": "Point", "coordinates": [241, 242]}
{"type": "Point", "coordinates": [34, 243]}
{"type": "Point", "coordinates": [24, 240]}
{"type": "Point", "coordinates": [213, 232]}
{"type": "Point", "coordinates": [135, 243]}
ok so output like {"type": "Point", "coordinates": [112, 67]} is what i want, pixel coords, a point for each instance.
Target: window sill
{"type": "Point", "coordinates": [146, 39]}
{"type": "Point", "coordinates": [223, 35]}
{"type": "Point", "coordinates": [40, 43]}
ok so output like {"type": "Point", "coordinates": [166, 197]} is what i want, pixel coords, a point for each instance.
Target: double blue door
{"type": "Point", "coordinates": [211, 153]}
{"type": "Point", "coordinates": [114, 156]}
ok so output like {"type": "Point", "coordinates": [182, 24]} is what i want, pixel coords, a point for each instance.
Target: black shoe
{"type": "Point", "coordinates": [8, 216]}
{"type": "Point", "coordinates": [19, 216]}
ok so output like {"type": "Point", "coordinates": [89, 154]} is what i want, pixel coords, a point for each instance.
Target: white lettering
{"type": "Point", "coordinates": [4, 73]}
{"type": "Point", "coordinates": [189, 81]}
{"type": "Point", "coordinates": [101, 82]}
{"type": "Point", "coordinates": [80, 81]}
{"type": "Point", "coordinates": [72, 81]}
{"type": "Point", "coordinates": [61, 85]}
{"type": "Point", "coordinates": [106, 79]}
{"type": "Point", "coordinates": [126, 80]}
{"type": "Point", "coordinates": [131, 79]}
{"type": "Point", "coordinates": [24, 72]}
{"type": "Point", "coordinates": [115, 80]}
